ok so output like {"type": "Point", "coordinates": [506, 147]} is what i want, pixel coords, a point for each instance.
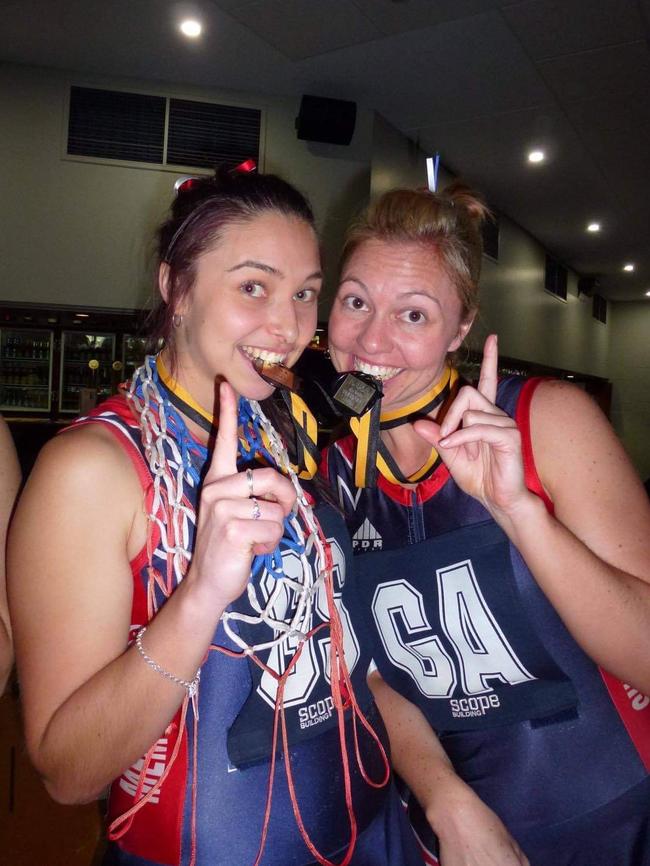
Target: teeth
{"type": "Point", "coordinates": [378, 372]}
{"type": "Point", "coordinates": [263, 355]}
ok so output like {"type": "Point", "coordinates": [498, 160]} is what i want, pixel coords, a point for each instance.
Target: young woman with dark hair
{"type": "Point", "coordinates": [179, 596]}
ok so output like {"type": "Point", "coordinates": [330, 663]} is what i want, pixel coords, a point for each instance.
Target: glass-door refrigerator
{"type": "Point", "coordinates": [133, 354]}
{"type": "Point", "coordinates": [26, 357]}
{"type": "Point", "coordinates": [60, 361]}
{"type": "Point", "coordinates": [87, 360]}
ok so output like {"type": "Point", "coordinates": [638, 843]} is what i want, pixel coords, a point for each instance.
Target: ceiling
{"type": "Point", "coordinates": [481, 81]}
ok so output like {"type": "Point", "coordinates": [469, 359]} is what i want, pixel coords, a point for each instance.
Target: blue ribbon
{"type": "Point", "coordinates": [194, 455]}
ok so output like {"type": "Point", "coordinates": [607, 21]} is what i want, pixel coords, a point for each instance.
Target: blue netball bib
{"type": "Point", "coordinates": [451, 635]}
{"type": "Point", "coordinates": [308, 705]}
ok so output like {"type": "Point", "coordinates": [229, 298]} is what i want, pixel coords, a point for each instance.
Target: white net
{"type": "Point", "coordinates": [283, 603]}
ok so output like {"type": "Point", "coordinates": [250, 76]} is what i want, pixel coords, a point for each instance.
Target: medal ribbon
{"type": "Point", "coordinates": [305, 424]}
{"type": "Point", "coordinates": [372, 454]}
{"type": "Point", "coordinates": [306, 428]}
{"type": "Point", "coordinates": [183, 400]}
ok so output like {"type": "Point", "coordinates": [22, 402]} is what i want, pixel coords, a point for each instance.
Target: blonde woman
{"type": "Point", "coordinates": [503, 564]}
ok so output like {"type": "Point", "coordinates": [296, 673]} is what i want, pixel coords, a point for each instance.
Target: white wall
{"type": "Point", "coordinates": [81, 232]}
{"type": "Point", "coordinates": [630, 374]}
{"type": "Point", "coordinates": [532, 324]}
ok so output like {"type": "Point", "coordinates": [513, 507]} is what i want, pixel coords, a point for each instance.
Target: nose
{"type": "Point", "coordinates": [374, 338]}
{"type": "Point", "coordinates": [283, 323]}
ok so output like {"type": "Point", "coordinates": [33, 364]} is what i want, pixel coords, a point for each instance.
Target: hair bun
{"type": "Point", "coordinates": [461, 195]}
{"type": "Point", "coordinates": [224, 180]}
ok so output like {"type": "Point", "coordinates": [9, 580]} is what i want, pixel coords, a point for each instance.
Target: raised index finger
{"type": "Point", "coordinates": [224, 457]}
{"type": "Point", "coordinates": [487, 383]}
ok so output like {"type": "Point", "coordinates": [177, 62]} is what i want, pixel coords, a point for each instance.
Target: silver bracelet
{"type": "Point", "coordinates": [192, 687]}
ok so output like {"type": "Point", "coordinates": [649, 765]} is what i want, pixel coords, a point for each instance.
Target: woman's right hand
{"type": "Point", "coordinates": [230, 529]}
{"type": "Point", "coordinates": [471, 834]}
{"type": "Point", "coordinates": [480, 444]}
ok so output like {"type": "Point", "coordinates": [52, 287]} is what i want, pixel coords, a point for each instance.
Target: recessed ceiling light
{"type": "Point", "coordinates": [536, 156]}
{"type": "Point", "coordinates": [629, 267]}
{"type": "Point", "coordinates": [593, 227]}
{"type": "Point", "coordinates": [647, 294]}
{"type": "Point", "coordinates": [191, 28]}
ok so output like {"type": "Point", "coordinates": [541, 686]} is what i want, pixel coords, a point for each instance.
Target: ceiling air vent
{"type": "Point", "coordinates": [133, 127]}
{"type": "Point", "coordinates": [116, 125]}
{"type": "Point", "coordinates": [205, 134]}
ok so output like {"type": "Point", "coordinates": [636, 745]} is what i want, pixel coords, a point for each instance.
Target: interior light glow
{"type": "Point", "coordinates": [191, 28]}
{"type": "Point", "coordinates": [593, 227]}
{"type": "Point", "coordinates": [536, 156]}
{"type": "Point", "coordinates": [647, 294]}
{"type": "Point", "coordinates": [628, 267]}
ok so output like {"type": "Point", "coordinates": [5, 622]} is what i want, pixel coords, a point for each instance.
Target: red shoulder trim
{"type": "Point", "coordinates": [522, 417]}
{"type": "Point", "coordinates": [632, 706]}
{"type": "Point", "coordinates": [119, 406]}
{"type": "Point", "coordinates": [634, 710]}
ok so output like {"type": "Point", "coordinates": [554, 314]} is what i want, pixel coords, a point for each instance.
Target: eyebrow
{"type": "Point", "coordinates": [356, 280]}
{"type": "Point", "coordinates": [410, 294]}
{"type": "Point", "coordinates": [250, 263]}
{"type": "Point", "coordinates": [269, 269]}
{"type": "Point", "coordinates": [421, 294]}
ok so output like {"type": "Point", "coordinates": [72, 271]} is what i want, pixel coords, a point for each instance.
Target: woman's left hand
{"type": "Point", "coordinates": [479, 443]}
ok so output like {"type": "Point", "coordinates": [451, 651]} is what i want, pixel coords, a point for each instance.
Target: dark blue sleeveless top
{"type": "Point", "coordinates": [461, 628]}
{"type": "Point", "coordinates": [222, 758]}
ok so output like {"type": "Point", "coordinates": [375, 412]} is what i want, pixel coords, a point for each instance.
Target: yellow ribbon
{"type": "Point", "coordinates": [372, 455]}
{"type": "Point", "coordinates": [304, 422]}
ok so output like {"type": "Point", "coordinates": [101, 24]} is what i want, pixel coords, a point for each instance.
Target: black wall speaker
{"type": "Point", "coordinates": [327, 120]}
{"type": "Point", "coordinates": [588, 285]}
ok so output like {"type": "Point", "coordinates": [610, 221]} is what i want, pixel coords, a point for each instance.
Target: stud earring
{"type": "Point", "coordinates": [177, 320]}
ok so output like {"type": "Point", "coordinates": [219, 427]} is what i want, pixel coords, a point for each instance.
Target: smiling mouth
{"type": "Point", "coordinates": [263, 355]}
{"type": "Point", "coordinates": [379, 372]}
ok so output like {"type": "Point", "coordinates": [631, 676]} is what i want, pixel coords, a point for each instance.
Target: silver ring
{"type": "Point", "coordinates": [249, 481]}
{"type": "Point", "coordinates": [257, 511]}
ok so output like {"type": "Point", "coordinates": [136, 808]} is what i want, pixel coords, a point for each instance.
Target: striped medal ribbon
{"type": "Point", "coordinates": [306, 427]}
{"type": "Point", "coordinates": [372, 455]}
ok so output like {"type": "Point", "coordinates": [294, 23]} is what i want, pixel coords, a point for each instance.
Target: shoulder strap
{"type": "Point", "coordinates": [115, 415]}
{"type": "Point", "coordinates": [522, 417]}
